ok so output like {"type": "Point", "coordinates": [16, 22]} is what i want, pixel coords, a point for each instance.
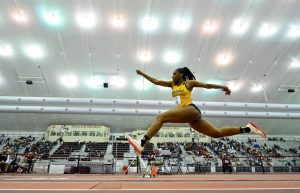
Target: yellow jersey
{"type": "Point", "coordinates": [183, 96]}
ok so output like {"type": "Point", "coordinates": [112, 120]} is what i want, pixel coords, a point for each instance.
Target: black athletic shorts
{"type": "Point", "coordinates": [193, 105]}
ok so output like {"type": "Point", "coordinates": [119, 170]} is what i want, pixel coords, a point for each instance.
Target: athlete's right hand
{"type": "Point", "coordinates": [227, 91]}
{"type": "Point", "coordinates": [139, 72]}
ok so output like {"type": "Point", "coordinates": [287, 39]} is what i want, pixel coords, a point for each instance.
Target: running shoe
{"type": "Point", "coordinates": [256, 130]}
{"type": "Point", "coordinates": [136, 144]}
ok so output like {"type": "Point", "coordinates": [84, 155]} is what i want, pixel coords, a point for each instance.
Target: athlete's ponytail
{"type": "Point", "coordinates": [187, 74]}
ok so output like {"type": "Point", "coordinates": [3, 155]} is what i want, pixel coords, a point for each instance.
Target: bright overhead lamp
{"type": "Point", "coordinates": [86, 20]}
{"type": "Point", "coordinates": [20, 16]}
{"type": "Point", "coordinates": [239, 26]}
{"type": "Point", "coordinates": [145, 56]}
{"type": "Point", "coordinates": [172, 57]}
{"type": "Point", "coordinates": [6, 50]}
{"type": "Point", "coordinates": [224, 58]}
{"type": "Point", "coordinates": [53, 17]}
{"type": "Point", "coordinates": [34, 51]}
{"type": "Point", "coordinates": [295, 63]}
{"type": "Point", "coordinates": [294, 31]}
{"type": "Point", "coordinates": [256, 87]}
{"type": "Point", "coordinates": [117, 81]}
{"type": "Point", "coordinates": [210, 26]}
{"type": "Point", "coordinates": [94, 81]}
{"type": "Point", "coordinates": [69, 81]}
{"type": "Point", "coordinates": [150, 24]}
{"type": "Point", "coordinates": [118, 21]}
{"type": "Point", "coordinates": [180, 24]}
{"type": "Point", "coordinates": [267, 30]}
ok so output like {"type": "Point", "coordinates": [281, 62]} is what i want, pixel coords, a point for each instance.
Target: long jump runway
{"type": "Point", "coordinates": [212, 183]}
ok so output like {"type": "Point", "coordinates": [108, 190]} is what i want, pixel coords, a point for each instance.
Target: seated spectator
{"type": "Point", "coordinates": [30, 157]}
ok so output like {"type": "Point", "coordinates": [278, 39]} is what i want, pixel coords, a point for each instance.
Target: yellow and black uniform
{"type": "Point", "coordinates": [183, 96]}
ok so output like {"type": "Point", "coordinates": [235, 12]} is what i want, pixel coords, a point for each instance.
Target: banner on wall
{"type": "Point", "coordinates": [73, 133]}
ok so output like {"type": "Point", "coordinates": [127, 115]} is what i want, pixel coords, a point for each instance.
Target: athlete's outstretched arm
{"type": "Point", "coordinates": [195, 83]}
{"type": "Point", "coordinates": [155, 81]}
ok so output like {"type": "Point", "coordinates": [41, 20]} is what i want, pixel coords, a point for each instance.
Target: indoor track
{"type": "Point", "coordinates": [214, 183]}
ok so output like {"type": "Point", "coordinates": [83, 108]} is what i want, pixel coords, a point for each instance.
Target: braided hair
{"type": "Point", "coordinates": [187, 74]}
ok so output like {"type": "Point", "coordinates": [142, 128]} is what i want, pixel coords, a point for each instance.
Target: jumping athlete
{"type": "Point", "coordinates": [182, 86]}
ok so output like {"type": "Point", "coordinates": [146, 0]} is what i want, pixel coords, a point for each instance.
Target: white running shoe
{"type": "Point", "coordinates": [256, 130]}
{"type": "Point", "coordinates": [136, 144]}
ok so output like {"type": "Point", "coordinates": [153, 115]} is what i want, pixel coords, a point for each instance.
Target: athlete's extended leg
{"type": "Point", "coordinates": [206, 128]}
{"type": "Point", "coordinates": [182, 115]}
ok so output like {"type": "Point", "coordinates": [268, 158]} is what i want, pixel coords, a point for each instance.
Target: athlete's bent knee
{"type": "Point", "coordinates": [161, 118]}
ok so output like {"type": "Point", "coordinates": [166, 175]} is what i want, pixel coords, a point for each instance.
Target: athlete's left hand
{"type": "Point", "coordinates": [227, 91]}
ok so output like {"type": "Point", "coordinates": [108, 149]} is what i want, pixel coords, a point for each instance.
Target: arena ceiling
{"type": "Point", "coordinates": [70, 48]}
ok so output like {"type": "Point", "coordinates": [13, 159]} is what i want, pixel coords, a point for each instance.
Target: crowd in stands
{"type": "Point", "coordinates": [16, 163]}
{"type": "Point", "coordinates": [257, 153]}
{"type": "Point", "coordinates": [236, 152]}
{"type": "Point", "coordinates": [13, 146]}
{"type": "Point", "coordinates": [276, 139]}
{"type": "Point", "coordinates": [199, 149]}
{"type": "Point", "coordinates": [12, 161]}
{"type": "Point", "coordinates": [66, 148]}
{"type": "Point", "coordinates": [96, 149]}
{"type": "Point", "coordinates": [174, 148]}
{"type": "Point", "coordinates": [41, 148]}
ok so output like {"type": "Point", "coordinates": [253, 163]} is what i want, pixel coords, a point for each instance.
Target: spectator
{"type": "Point", "coordinates": [30, 157]}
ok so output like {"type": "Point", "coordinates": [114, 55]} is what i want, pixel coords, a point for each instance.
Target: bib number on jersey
{"type": "Point", "coordinates": [177, 100]}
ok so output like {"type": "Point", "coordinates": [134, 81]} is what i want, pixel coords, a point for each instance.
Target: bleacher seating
{"type": "Point", "coordinates": [12, 146]}
{"type": "Point", "coordinates": [67, 148]}
{"type": "Point", "coordinates": [96, 149]}
{"type": "Point", "coordinates": [119, 149]}
{"type": "Point", "coordinates": [40, 147]}
{"type": "Point", "coordinates": [148, 150]}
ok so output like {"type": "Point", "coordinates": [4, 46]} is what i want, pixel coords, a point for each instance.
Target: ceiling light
{"type": "Point", "coordinates": [6, 51]}
{"type": "Point", "coordinates": [224, 58]}
{"type": "Point", "coordinates": [256, 88]}
{"type": "Point", "coordinates": [180, 24]}
{"type": "Point", "coordinates": [34, 51]}
{"type": "Point", "coordinates": [53, 17]}
{"type": "Point", "coordinates": [294, 31]}
{"type": "Point", "coordinates": [145, 56]}
{"type": "Point", "coordinates": [117, 81]}
{"type": "Point", "coordinates": [172, 57]}
{"type": "Point", "coordinates": [118, 21]}
{"type": "Point", "coordinates": [150, 24]}
{"type": "Point", "coordinates": [69, 81]}
{"type": "Point", "coordinates": [295, 63]}
{"type": "Point", "coordinates": [94, 81]}
{"type": "Point", "coordinates": [239, 26]}
{"type": "Point", "coordinates": [267, 30]}
{"type": "Point", "coordinates": [86, 20]}
{"type": "Point", "coordinates": [142, 84]}
{"type": "Point", "coordinates": [20, 16]}
{"type": "Point", "coordinates": [210, 26]}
